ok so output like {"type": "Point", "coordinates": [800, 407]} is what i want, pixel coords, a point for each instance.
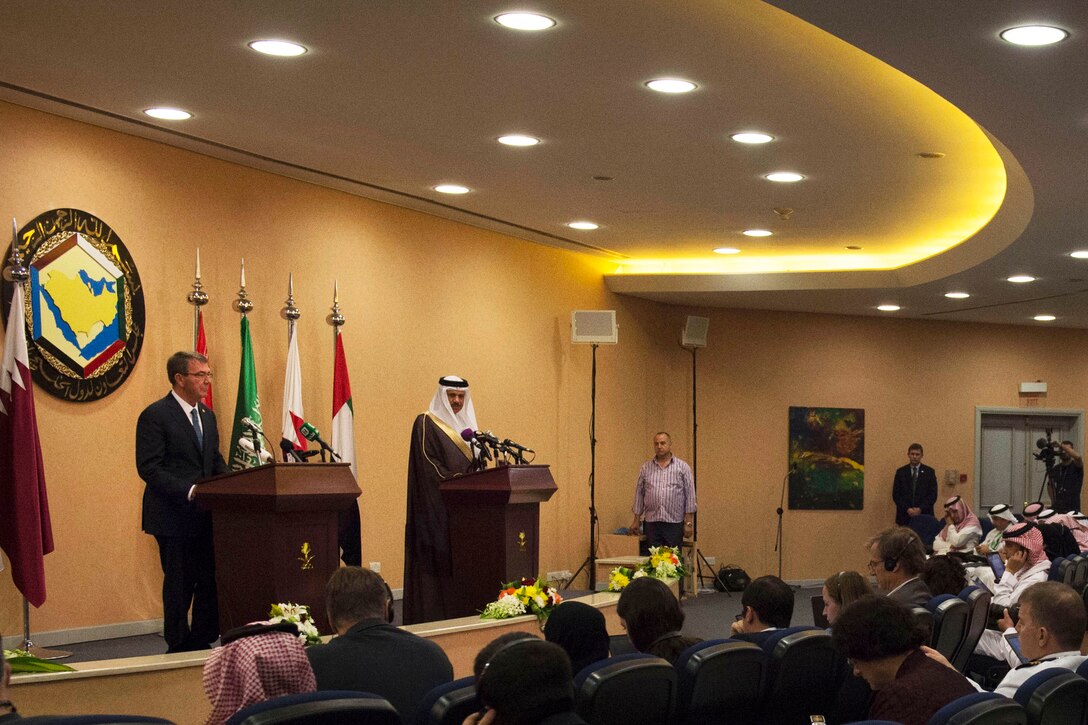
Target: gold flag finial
{"type": "Point", "coordinates": [243, 304]}
{"type": "Point", "coordinates": [290, 312]}
{"type": "Point", "coordinates": [198, 297]}
{"type": "Point", "coordinates": [335, 318]}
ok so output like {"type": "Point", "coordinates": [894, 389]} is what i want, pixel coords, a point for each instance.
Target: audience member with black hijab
{"type": "Point", "coordinates": [525, 681]}
{"type": "Point", "coordinates": [580, 630]}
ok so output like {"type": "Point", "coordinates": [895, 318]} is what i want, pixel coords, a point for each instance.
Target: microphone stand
{"type": "Point", "coordinates": [778, 539]}
{"type": "Point", "coordinates": [590, 564]}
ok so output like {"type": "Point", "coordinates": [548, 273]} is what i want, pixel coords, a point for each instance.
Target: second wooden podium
{"type": "Point", "coordinates": [494, 530]}
{"type": "Point", "coordinates": [275, 530]}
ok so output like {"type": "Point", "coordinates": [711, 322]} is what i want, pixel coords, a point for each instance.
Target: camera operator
{"type": "Point", "coordinates": [1066, 479]}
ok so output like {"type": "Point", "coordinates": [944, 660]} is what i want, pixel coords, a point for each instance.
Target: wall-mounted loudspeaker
{"type": "Point", "coordinates": [695, 332]}
{"type": "Point", "coordinates": [597, 327]}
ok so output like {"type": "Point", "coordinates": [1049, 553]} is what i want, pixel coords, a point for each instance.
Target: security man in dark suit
{"type": "Point", "coordinates": [177, 445]}
{"type": "Point", "coordinates": [915, 487]}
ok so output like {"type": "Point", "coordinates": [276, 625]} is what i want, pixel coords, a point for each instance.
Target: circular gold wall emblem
{"type": "Point", "coordinates": [84, 305]}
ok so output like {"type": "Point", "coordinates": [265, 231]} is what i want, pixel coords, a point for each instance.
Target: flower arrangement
{"type": "Point", "coordinates": [299, 615]}
{"type": "Point", "coordinates": [664, 563]}
{"type": "Point", "coordinates": [526, 596]}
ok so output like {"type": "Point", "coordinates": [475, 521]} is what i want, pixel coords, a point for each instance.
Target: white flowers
{"type": "Point", "coordinates": [506, 606]}
{"type": "Point", "coordinates": [299, 615]}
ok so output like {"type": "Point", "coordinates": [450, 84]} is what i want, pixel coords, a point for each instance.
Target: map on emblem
{"type": "Point", "coordinates": [85, 311]}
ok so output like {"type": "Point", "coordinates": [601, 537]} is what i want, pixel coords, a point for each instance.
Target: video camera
{"type": "Point", "coordinates": [1049, 449]}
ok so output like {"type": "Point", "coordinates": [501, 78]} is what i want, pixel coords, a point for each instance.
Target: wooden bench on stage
{"type": "Point", "coordinates": [169, 686]}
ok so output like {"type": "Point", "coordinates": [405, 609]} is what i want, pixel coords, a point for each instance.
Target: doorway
{"type": "Point", "coordinates": [1006, 443]}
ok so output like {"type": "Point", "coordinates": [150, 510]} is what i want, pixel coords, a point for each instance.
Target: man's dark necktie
{"type": "Point", "coordinates": [199, 431]}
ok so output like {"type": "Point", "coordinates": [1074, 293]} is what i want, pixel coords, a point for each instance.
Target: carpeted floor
{"type": "Point", "coordinates": [707, 616]}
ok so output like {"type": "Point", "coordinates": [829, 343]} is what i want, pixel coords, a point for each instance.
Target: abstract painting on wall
{"type": "Point", "coordinates": [827, 458]}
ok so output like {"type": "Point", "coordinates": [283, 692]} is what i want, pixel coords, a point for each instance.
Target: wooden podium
{"type": "Point", "coordinates": [275, 533]}
{"type": "Point", "coordinates": [494, 518]}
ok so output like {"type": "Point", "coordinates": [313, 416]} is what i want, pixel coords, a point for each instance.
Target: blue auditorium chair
{"type": "Point", "coordinates": [980, 708]}
{"type": "Point", "coordinates": [327, 707]}
{"type": "Point", "coordinates": [978, 605]}
{"type": "Point", "coordinates": [949, 623]}
{"type": "Point", "coordinates": [721, 681]}
{"type": "Point", "coordinates": [927, 527]}
{"type": "Point", "coordinates": [804, 675]}
{"type": "Point", "coordinates": [631, 689]}
{"type": "Point", "coordinates": [448, 704]}
{"type": "Point", "coordinates": [1054, 697]}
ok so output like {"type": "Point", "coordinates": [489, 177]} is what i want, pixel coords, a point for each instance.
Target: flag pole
{"type": "Point", "coordinates": [335, 317]}
{"type": "Point", "coordinates": [18, 274]}
{"type": "Point", "coordinates": [197, 298]}
{"type": "Point", "coordinates": [290, 312]}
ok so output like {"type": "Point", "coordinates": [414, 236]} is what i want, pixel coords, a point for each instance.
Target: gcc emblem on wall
{"type": "Point", "coordinates": [84, 305]}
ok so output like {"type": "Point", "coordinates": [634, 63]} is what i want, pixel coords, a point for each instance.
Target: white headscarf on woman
{"type": "Point", "coordinates": [440, 405]}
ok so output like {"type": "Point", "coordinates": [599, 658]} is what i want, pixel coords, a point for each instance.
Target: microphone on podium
{"type": "Point", "coordinates": [247, 445]}
{"type": "Point", "coordinates": [314, 436]}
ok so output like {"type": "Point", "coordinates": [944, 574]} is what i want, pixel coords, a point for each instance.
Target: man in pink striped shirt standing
{"type": "Point", "coordinates": [664, 497]}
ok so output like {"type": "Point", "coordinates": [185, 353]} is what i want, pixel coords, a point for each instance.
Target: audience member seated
{"type": "Point", "coordinates": [843, 589]}
{"type": "Point", "coordinates": [652, 617]}
{"type": "Point", "coordinates": [1001, 516]}
{"type": "Point", "coordinates": [580, 630]}
{"type": "Point", "coordinates": [8, 713]}
{"type": "Point", "coordinates": [896, 559]}
{"type": "Point", "coordinates": [882, 642]}
{"type": "Point", "coordinates": [1032, 510]}
{"type": "Point", "coordinates": [962, 532]}
{"type": "Point", "coordinates": [1058, 540]}
{"type": "Point", "coordinates": [257, 662]}
{"type": "Point", "coordinates": [1076, 527]}
{"type": "Point", "coordinates": [1025, 565]}
{"type": "Point", "coordinates": [525, 681]}
{"type": "Point", "coordinates": [1051, 626]}
{"type": "Point", "coordinates": [488, 650]}
{"type": "Point", "coordinates": [766, 605]}
{"type": "Point", "coordinates": [370, 654]}
{"type": "Point", "coordinates": [944, 575]}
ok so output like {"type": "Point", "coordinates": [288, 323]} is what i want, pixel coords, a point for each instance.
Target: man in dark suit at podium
{"type": "Point", "coordinates": [177, 444]}
{"type": "Point", "coordinates": [438, 453]}
{"type": "Point", "coordinates": [915, 487]}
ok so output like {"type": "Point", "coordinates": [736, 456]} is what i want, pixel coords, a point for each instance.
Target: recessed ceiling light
{"type": "Point", "coordinates": [956, 295]}
{"type": "Point", "coordinates": [888, 308]}
{"type": "Point", "coordinates": [168, 114]}
{"type": "Point", "coordinates": [671, 85]}
{"type": "Point", "coordinates": [583, 225]}
{"type": "Point", "coordinates": [757, 232]}
{"type": "Point", "coordinates": [281, 48]}
{"type": "Point", "coordinates": [524, 21]}
{"type": "Point", "coordinates": [452, 189]}
{"type": "Point", "coordinates": [1079, 254]}
{"type": "Point", "coordinates": [752, 137]}
{"type": "Point", "coordinates": [517, 139]}
{"type": "Point", "coordinates": [1021, 278]}
{"type": "Point", "coordinates": [784, 177]}
{"type": "Point", "coordinates": [854, 248]}
{"type": "Point", "coordinates": [726, 250]}
{"type": "Point", "coordinates": [1034, 35]}
{"type": "Point", "coordinates": [1044, 318]}
{"type": "Point", "coordinates": [931, 154]}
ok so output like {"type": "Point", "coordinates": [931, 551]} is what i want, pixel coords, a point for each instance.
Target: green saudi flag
{"type": "Point", "coordinates": [248, 405]}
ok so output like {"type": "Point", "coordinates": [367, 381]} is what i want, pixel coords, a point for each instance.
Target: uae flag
{"type": "Point", "coordinates": [248, 405]}
{"type": "Point", "coordinates": [202, 348]}
{"type": "Point", "coordinates": [25, 533]}
{"type": "Point", "coordinates": [293, 417]}
{"type": "Point", "coordinates": [343, 415]}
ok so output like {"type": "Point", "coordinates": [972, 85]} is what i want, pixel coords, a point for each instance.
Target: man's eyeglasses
{"type": "Point", "coordinates": [202, 375]}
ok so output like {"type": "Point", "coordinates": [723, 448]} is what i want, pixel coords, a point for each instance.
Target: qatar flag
{"type": "Point", "coordinates": [25, 533]}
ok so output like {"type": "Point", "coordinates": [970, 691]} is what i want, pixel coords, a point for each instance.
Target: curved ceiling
{"type": "Point", "coordinates": [394, 97]}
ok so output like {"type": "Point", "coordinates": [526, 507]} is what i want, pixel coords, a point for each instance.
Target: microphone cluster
{"type": "Point", "coordinates": [488, 446]}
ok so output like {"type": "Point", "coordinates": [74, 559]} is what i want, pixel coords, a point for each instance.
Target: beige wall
{"type": "Point", "coordinates": [424, 297]}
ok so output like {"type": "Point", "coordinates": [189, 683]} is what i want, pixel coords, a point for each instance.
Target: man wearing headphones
{"type": "Point", "coordinates": [370, 654]}
{"type": "Point", "coordinates": [896, 559]}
